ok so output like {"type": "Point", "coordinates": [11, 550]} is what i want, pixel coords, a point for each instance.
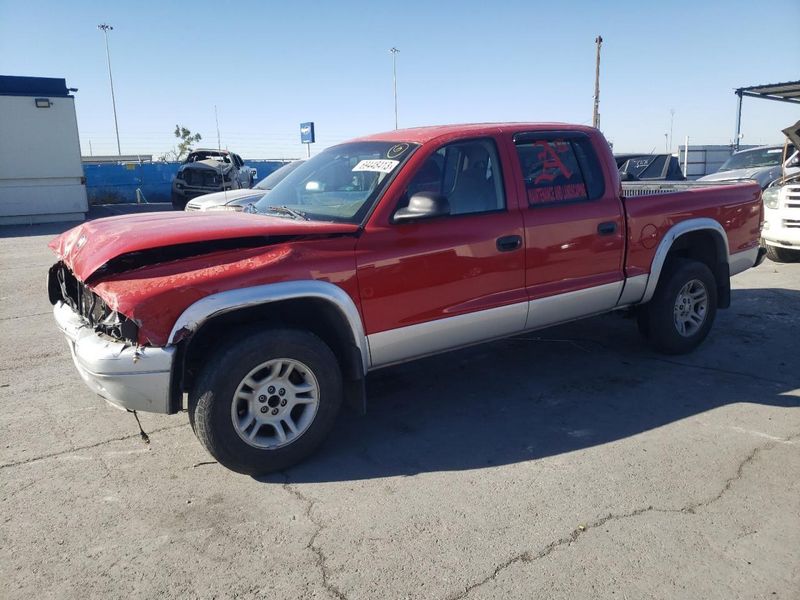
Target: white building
{"type": "Point", "coordinates": [41, 176]}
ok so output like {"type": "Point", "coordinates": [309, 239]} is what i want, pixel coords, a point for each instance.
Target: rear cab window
{"type": "Point", "coordinates": [558, 168]}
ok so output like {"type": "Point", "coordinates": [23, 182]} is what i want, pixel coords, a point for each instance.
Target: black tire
{"type": "Point", "coordinates": [179, 202]}
{"type": "Point", "coordinates": [656, 319]}
{"type": "Point", "coordinates": [211, 400]}
{"type": "Point", "coordinates": [782, 255]}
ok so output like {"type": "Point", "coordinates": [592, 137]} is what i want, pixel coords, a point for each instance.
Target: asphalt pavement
{"type": "Point", "coordinates": [567, 463]}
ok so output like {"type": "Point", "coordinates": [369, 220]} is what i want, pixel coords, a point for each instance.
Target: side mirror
{"type": "Point", "coordinates": [423, 205]}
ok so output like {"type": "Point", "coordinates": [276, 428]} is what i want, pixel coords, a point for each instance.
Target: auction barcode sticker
{"type": "Point", "coordinates": [377, 165]}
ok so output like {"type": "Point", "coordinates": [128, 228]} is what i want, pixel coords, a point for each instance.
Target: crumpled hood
{"type": "Point", "coordinates": [87, 247]}
{"type": "Point", "coordinates": [208, 164]}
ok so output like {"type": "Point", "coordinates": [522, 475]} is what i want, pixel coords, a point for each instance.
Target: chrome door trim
{"type": "Point", "coordinates": [423, 339]}
{"type": "Point", "coordinates": [415, 341]}
{"type": "Point", "coordinates": [552, 310]}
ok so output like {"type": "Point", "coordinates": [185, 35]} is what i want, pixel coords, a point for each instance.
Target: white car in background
{"type": "Point", "coordinates": [237, 200]}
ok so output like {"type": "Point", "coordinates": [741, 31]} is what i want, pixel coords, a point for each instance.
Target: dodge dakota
{"type": "Point", "coordinates": [381, 250]}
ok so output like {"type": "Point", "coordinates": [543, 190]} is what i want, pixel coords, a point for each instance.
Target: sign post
{"type": "Point", "coordinates": [307, 135]}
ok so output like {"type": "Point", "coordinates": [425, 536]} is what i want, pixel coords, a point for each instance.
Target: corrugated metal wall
{"type": "Point", "coordinates": [112, 183]}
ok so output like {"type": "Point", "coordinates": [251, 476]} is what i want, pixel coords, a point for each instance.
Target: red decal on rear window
{"type": "Point", "coordinates": [551, 163]}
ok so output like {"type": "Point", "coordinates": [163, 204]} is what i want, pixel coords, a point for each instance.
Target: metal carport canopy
{"type": "Point", "coordinates": [788, 91]}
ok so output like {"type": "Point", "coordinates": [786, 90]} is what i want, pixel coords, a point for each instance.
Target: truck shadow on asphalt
{"type": "Point", "coordinates": [560, 390]}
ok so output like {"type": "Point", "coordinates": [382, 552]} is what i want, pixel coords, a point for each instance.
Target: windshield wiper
{"type": "Point", "coordinates": [285, 210]}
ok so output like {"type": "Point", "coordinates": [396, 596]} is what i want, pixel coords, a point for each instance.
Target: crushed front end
{"type": "Point", "coordinates": [105, 350]}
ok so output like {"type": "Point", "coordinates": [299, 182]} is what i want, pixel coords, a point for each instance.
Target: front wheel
{"type": "Point", "coordinates": [267, 401]}
{"type": "Point", "coordinates": [680, 314]}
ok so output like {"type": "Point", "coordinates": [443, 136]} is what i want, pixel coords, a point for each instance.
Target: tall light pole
{"type": "Point", "coordinates": [596, 113]}
{"type": "Point", "coordinates": [671, 121]}
{"type": "Point", "coordinates": [105, 29]}
{"type": "Point", "coordinates": [394, 52]}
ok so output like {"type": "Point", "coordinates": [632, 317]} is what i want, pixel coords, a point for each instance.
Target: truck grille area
{"type": "Point", "coordinates": [792, 196]}
{"type": "Point", "coordinates": [202, 178]}
{"type": "Point", "coordinates": [63, 286]}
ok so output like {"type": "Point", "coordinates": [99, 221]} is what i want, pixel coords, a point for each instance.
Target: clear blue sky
{"type": "Point", "coordinates": [270, 65]}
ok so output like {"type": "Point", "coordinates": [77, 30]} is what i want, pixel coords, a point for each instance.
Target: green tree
{"type": "Point", "coordinates": [184, 147]}
{"type": "Point", "coordinates": [187, 138]}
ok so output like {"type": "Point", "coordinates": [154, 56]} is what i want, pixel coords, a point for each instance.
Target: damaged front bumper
{"type": "Point", "coordinates": [128, 376]}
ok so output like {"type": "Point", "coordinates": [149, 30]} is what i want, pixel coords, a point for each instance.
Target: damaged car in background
{"type": "Point", "coordinates": [205, 171]}
{"type": "Point", "coordinates": [237, 200]}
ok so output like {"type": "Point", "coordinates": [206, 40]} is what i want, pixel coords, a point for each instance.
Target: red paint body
{"type": "Point", "coordinates": [403, 274]}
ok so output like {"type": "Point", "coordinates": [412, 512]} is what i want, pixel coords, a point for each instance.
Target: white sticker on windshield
{"type": "Point", "coordinates": [377, 165]}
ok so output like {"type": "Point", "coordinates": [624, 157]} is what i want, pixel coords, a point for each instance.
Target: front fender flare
{"type": "Point", "coordinates": [223, 302]}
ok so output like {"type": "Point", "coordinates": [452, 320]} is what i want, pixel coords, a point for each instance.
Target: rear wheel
{"type": "Point", "coordinates": [265, 402]}
{"type": "Point", "coordinates": [683, 308]}
{"type": "Point", "coordinates": [782, 255]}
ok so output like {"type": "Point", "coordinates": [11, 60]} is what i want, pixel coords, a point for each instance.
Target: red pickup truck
{"type": "Point", "coordinates": [378, 251]}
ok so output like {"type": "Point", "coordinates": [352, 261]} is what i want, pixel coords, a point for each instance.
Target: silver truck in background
{"type": "Point", "coordinates": [765, 164]}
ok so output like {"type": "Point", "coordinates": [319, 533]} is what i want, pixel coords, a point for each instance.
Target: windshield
{"type": "Point", "coordinates": [274, 178]}
{"type": "Point", "coordinates": [339, 184]}
{"type": "Point", "coordinates": [207, 155]}
{"type": "Point", "coordinates": [749, 159]}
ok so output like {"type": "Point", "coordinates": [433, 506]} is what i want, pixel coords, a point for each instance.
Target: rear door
{"type": "Point", "coordinates": [449, 281]}
{"type": "Point", "coordinates": [574, 229]}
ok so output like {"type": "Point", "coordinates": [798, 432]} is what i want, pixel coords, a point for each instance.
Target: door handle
{"type": "Point", "coordinates": [607, 228]}
{"type": "Point", "coordinates": [508, 243]}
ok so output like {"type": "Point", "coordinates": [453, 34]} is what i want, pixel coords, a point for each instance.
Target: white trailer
{"type": "Point", "coordinates": [41, 176]}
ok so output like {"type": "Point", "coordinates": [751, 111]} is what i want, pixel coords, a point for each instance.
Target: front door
{"type": "Point", "coordinates": [449, 281]}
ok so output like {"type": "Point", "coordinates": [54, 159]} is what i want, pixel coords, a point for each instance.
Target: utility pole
{"type": "Point", "coordinates": [596, 114]}
{"type": "Point", "coordinates": [394, 52]}
{"type": "Point", "coordinates": [666, 143]}
{"type": "Point", "coordinates": [671, 121]}
{"type": "Point", "coordinates": [216, 118]}
{"type": "Point", "coordinates": [105, 29]}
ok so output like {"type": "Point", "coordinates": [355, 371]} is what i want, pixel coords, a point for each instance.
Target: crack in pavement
{"type": "Point", "coordinates": [691, 508]}
{"type": "Point", "coordinates": [26, 316]}
{"type": "Point", "coordinates": [87, 447]}
{"type": "Point", "coordinates": [321, 559]}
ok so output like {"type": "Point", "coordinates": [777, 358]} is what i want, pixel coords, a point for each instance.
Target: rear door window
{"type": "Point", "coordinates": [558, 169]}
